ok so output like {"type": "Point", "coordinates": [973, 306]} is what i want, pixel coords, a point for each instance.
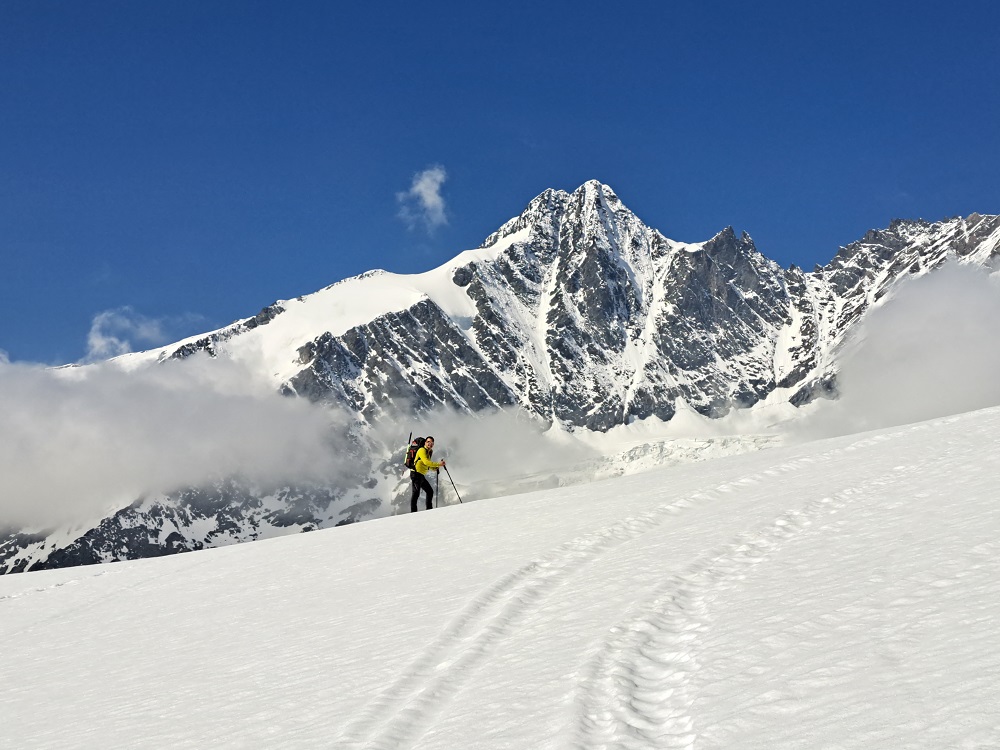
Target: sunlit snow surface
{"type": "Point", "coordinates": [840, 594]}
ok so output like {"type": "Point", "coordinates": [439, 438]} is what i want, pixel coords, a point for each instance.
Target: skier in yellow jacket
{"type": "Point", "coordinates": [418, 476]}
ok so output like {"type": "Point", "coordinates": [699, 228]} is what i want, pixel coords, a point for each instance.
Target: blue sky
{"type": "Point", "coordinates": [169, 167]}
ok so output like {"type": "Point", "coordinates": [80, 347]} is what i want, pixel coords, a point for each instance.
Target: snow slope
{"type": "Point", "coordinates": [272, 348]}
{"type": "Point", "coordinates": [839, 594]}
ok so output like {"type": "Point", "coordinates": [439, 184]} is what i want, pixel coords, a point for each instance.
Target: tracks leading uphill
{"type": "Point", "coordinates": [638, 679]}
{"type": "Point", "coordinates": [637, 691]}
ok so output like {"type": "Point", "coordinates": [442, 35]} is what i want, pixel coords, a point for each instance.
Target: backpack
{"type": "Point", "coordinates": [411, 453]}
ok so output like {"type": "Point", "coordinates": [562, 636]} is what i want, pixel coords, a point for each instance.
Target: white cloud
{"type": "Point", "coordinates": [112, 333]}
{"type": "Point", "coordinates": [931, 350]}
{"type": "Point", "coordinates": [77, 442]}
{"type": "Point", "coordinates": [122, 330]}
{"type": "Point", "coordinates": [423, 204]}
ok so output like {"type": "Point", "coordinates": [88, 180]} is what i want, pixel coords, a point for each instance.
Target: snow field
{"type": "Point", "coordinates": [838, 594]}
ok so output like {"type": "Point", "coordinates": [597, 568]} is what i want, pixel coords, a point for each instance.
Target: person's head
{"type": "Point", "coordinates": [429, 442]}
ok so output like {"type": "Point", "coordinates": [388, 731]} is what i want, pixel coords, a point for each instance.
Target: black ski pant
{"type": "Point", "coordinates": [420, 483]}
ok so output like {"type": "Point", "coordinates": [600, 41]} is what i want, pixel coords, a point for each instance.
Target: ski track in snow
{"type": "Point", "coordinates": [652, 654]}
{"type": "Point", "coordinates": [636, 693]}
{"type": "Point", "coordinates": [406, 709]}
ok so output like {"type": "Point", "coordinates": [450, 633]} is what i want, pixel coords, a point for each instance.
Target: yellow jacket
{"type": "Point", "coordinates": [422, 462]}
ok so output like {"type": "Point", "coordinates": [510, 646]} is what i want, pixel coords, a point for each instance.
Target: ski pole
{"type": "Point", "coordinates": [408, 441]}
{"type": "Point", "coordinates": [437, 491]}
{"type": "Point", "coordinates": [452, 483]}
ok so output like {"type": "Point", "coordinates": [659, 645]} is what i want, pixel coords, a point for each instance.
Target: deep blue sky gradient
{"type": "Point", "coordinates": [195, 160]}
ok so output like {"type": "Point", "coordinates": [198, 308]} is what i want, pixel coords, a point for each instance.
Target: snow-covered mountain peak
{"type": "Point", "coordinates": [591, 205]}
{"type": "Point", "coordinates": [580, 313]}
{"type": "Point", "coordinates": [594, 196]}
{"type": "Point", "coordinates": [574, 312]}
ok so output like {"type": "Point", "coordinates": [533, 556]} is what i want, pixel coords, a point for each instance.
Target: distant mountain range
{"type": "Point", "coordinates": [575, 312]}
